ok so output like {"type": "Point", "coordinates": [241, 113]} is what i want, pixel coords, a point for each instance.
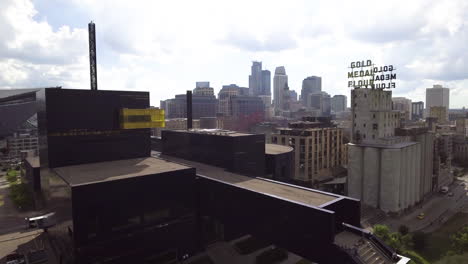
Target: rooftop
{"type": "Point", "coordinates": [115, 170]}
{"type": "Point", "coordinates": [219, 132]}
{"type": "Point", "coordinates": [33, 161]}
{"type": "Point", "coordinates": [274, 149]}
{"type": "Point", "coordinates": [284, 191]}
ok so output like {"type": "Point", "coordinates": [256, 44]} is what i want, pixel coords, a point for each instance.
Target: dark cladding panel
{"type": "Point", "coordinates": [301, 229]}
{"type": "Point", "coordinates": [92, 110]}
{"type": "Point", "coordinates": [241, 153]}
{"type": "Point", "coordinates": [83, 126]}
{"type": "Point", "coordinates": [112, 218]}
{"type": "Point", "coordinates": [80, 149]}
{"type": "Point", "coordinates": [347, 210]}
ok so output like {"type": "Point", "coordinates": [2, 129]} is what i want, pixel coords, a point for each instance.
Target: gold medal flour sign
{"type": "Point", "coordinates": [364, 74]}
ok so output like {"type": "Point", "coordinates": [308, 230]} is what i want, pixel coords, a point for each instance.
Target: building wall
{"type": "Point", "coordinates": [280, 166]}
{"type": "Point", "coordinates": [339, 103]}
{"type": "Point", "coordinates": [317, 152]}
{"type": "Point", "coordinates": [83, 126]}
{"type": "Point", "coordinates": [372, 115]}
{"type": "Point", "coordinates": [243, 154]}
{"type": "Point", "coordinates": [439, 112]}
{"type": "Point", "coordinates": [437, 96]}
{"type": "Point", "coordinates": [385, 178]}
{"type": "Point", "coordinates": [22, 141]}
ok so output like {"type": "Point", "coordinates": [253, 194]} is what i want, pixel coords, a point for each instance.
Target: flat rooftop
{"type": "Point", "coordinates": [115, 170]}
{"type": "Point", "coordinates": [33, 161]}
{"type": "Point", "coordinates": [275, 149]}
{"type": "Point", "coordinates": [218, 132]}
{"type": "Point", "coordinates": [285, 191]}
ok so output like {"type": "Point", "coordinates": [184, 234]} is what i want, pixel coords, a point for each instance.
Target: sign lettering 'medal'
{"type": "Point", "coordinates": [370, 76]}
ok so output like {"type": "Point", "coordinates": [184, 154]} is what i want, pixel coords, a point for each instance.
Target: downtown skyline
{"type": "Point", "coordinates": [149, 46]}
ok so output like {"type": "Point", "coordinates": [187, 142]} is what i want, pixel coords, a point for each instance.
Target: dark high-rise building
{"type": "Point", "coordinates": [310, 85]}
{"type": "Point", "coordinates": [292, 95]}
{"type": "Point", "coordinates": [243, 106]}
{"type": "Point", "coordinates": [417, 110]}
{"type": "Point", "coordinates": [203, 105]}
{"type": "Point", "coordinates": [266, 82]}
{"type": "Point", "coordinates": [259, 80]}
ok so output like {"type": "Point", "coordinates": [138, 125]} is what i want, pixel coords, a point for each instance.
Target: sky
{"type": "Point", "coordinates": [164, 47]}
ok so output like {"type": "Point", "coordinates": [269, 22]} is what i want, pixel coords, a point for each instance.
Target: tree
{"type": "Point", "coordinates": [419, 240]}
{"type": "Point", "coordinates": [382, 232]}
{"type": "Point", "coordinates": [403, 230]}
{"type": "Point", "coordinates": [454, 259]}
{"type": "Point", "coordinates": [460, 240]}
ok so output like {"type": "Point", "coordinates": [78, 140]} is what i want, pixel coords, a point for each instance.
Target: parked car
{"type": "Point", "coordinates": [450, 194]}
{"type": "Point", "coordinates": [444, 189]}
{"type": "Point", "coordinates": [421, 216]}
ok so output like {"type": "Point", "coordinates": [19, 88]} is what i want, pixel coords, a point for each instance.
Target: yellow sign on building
{"type": "Point", "coordinates": [141, 118]}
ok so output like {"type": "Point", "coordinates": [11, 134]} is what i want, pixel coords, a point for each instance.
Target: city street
{"type": "Point", "coordinates": [437, 210]}
{"type": "Point", "coordinates": [10, 219]}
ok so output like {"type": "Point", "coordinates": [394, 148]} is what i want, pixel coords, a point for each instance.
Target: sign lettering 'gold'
{"type": "Point", "coordinates": [371, 76]}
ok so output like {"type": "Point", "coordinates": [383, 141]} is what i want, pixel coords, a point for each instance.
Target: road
{"type": "Point", "coordinates": [437, 209]}
{"type": "Point", "coordinates": [10, 219]}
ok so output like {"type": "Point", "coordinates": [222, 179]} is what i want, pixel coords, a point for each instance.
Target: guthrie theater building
{"type": "Point", "coordinates": [116, 203]}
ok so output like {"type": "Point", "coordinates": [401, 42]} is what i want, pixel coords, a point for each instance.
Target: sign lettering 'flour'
{"type": "Point", "coordinates": [378, 77]}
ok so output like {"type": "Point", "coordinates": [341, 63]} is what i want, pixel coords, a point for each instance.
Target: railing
{"type": "Point", "coordinates": [386, 250]}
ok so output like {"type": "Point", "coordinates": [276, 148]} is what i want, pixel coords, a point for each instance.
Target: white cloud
{"type": "Point", "coordinates": [165, 46]}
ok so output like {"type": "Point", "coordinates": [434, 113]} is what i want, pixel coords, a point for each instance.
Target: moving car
{"type": "Point", "coordinates": [42, 221]}
{"type": "Point", "coordinates": [421, 216]}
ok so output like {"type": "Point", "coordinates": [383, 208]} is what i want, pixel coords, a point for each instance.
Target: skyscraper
{"type": "Point", "coordinates": [437, 96]}
{"type": "Point", "coordinates": [259, 80]}
{"type": "Point", "coordinates": [280, 87]}
{"type": "Point", "coordinates": [255, 78]}
{"type": "Point", "coordinates": [339, 103]}
{"type": "Point", "coordinates": [266, 82]}
{"type": "Point", "coordinates": [310, 85]}
{"type": "Point", "coordinates": [417, 110]}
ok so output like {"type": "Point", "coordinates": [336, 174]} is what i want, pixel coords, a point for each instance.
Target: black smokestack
{"type": "Point", "coordinates": [189, 109]}
{"type": "Point", "coordinates": [92, 55]}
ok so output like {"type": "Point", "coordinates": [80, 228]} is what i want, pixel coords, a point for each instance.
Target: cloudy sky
{"type": "Point", "coordinates": [166, 46]}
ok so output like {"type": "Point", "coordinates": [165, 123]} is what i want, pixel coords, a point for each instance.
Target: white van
{"type": "Point", "coordinates": [42, 221]}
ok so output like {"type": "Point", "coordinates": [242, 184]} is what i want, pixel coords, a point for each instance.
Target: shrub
{"type": "Point", "coordinates": [12, 176]}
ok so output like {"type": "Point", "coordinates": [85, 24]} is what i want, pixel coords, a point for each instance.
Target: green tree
{"type": "Point", "coordinates": [460, 240]}
{"type": "Point", "coordinates": [453, 259]}
{"type": "Point", "coordinates": [382, 232]}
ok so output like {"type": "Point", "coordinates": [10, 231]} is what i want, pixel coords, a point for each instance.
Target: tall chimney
{"type": "Point", "coordinates": [189, 110]}
{"type": "Point", "coordinates": [92, 55]}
